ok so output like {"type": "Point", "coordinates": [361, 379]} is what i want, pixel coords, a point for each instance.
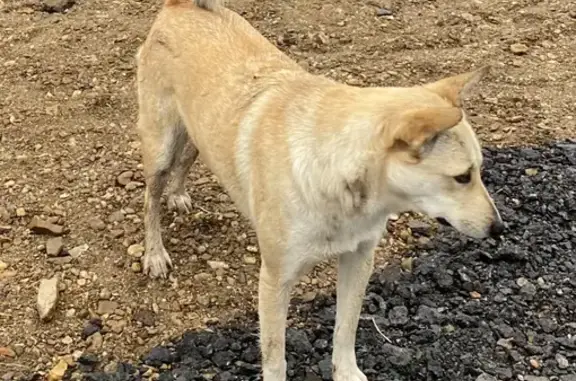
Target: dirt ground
{"type": "Point", "coordinates": [67, 112]}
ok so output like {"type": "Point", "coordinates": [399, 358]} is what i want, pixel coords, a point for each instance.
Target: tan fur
{"type": "Point", "coordinates": [455, 88]}
{"type": "Point", "coordinates": [316, 166]}
{"type": "Point", "coordinates": [419, 125]}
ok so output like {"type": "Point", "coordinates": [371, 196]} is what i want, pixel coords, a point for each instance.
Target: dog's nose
{"type": "Point", "coordinates": [496, 229]}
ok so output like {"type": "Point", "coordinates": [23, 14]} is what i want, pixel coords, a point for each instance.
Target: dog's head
{"type": "Point", "coordinates": [434, 158]}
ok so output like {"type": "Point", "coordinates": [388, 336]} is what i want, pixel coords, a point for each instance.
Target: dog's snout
{"type": "Point", "coordinates": [497, 228]}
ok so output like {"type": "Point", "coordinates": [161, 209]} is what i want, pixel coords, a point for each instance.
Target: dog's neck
{"type": "Point", "coordinates": [332, 162]}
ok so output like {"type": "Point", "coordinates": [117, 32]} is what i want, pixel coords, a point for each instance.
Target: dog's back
{"type": "Point", "coordinates": [206, 39]}
{"type": "Point", "coordinates": [200, 37]}
{"type": "Point", "coordinates": [199, 71]}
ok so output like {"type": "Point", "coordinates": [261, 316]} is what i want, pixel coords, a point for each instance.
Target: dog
{"type": "Point", "coordinates": [315, 165]}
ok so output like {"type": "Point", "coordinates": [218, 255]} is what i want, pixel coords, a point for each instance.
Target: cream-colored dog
{"type": "Point", "coordinates": [317, 166]}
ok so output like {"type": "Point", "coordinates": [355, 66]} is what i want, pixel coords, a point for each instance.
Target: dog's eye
{"type": "Point", "coordinates": [464, 178]}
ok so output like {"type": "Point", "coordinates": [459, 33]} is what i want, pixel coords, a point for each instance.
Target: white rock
{"type": "Point", "coordinates": [217, 265]}
{"type": "Point", "coordinates": [78, 250]}
{"type": "Point", "coordinates": [47, 298]}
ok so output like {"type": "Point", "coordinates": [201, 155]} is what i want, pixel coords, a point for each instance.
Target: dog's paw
{"type": "Point", "coordinates": [157, 263]}
{"type": "Point", "coordinates": [180, 201]}
{"type": "Point", "coordinates": [348, 373]}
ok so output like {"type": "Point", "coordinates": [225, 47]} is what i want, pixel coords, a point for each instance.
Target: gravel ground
{"type": "Point", "coordinates": [456, 309]}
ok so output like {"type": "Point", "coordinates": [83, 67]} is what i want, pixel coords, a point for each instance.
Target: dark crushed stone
{"type": "Point", "coordinates": [91, 327]}
{"type": "Point", "coordinates": [325, 368]}
{"type": "Point", "coordinates": [436, 330]}
{"type": "Point", "coordinates": [159, 356]}
{"type": "Point", "coordinates": [57, 6]}
{"type": "Point", "coordinates": [297, 341]}
{"type": "Point", "coordinates": [398, 316]}
{"type": "Point", "coordinates": [88, 359]}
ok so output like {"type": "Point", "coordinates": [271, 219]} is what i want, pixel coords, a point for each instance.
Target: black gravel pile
{"type": "Point", "coordinates": [468, 310]}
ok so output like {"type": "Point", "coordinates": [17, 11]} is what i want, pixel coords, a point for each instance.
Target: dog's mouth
{"type": "Point", "coordinates": [443, 221]}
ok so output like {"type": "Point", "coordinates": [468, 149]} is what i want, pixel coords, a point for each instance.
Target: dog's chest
{"type": "Point", "coordinates": [328, 236]}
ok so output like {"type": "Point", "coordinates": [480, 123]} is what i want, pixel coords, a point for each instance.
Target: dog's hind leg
{"type": "Point", "coordinates": [178, 198]}
{"type": "Point", "coordinates": [163, 137]}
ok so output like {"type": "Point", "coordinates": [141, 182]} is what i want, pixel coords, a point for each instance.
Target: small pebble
{"type": "Point", "coordinates": [97, 224]}
{"type": "Point", "coordinates": [124, 178]}
{"type": "Point", "coordinates": [136, 250]}
{"type": "Point", "coordinates": [519, 49]}
{"type": "Point", "coordinates": [562, 361]}
{"type": "Point", "coordinates": [217, 265]}
{"type": "Point", "coordinates": [249, 260]}
{"type": "Point", "coordinates": [136, 267]}
{"type": "Point", "coordinates": [384, 12]}
{"type": "Point", "coordinates": [105, 294]}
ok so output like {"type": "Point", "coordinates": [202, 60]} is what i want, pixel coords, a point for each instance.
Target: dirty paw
{"type": "Point", "coordinates": [157, 263]}
{"type": "Point", "coordinates": [180, 201]}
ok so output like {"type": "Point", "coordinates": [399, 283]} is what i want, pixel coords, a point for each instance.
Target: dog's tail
{"type": "Point", "coordinates": [206, 4]}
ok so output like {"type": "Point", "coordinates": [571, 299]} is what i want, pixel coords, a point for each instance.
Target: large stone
{"type": "Point", "coordinates": [54, 246]}
{"type": "Point", "coordinates": [47, 298]}
{"type": "Point", "coordinates": [57, 6]}
{"type": "Point", "coordinates": [39, 226]}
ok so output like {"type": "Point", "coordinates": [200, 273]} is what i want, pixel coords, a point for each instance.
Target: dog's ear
{"type": "Point", "coordinates": [416, 127]}
{"type": "Point", "coordinates": [455, 88]}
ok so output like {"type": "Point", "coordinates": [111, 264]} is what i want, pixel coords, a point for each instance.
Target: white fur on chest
{"type": "Point", "coordinates": [315, 237]}
{"type": "Point", "coordinates": [327, 216]}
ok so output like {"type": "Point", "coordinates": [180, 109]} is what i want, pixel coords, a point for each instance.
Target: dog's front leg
{"type": "Point", "coordinates": [354, 270]}
{"type": "Point", "coordinates": [273, 299]}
